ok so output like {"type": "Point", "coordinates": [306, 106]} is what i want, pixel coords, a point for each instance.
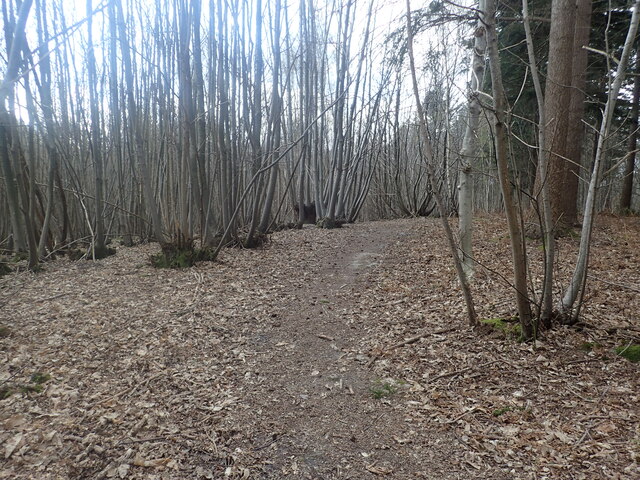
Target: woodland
{"type": "Point", "coordinates": [319, 239]}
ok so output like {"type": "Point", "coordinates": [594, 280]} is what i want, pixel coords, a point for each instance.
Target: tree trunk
{"type": "Point", "coordinates": [11, 73]}
{"type": "Point", "coordinates": [557, 102]}
{"type": "Point", "coordinates": [99, 248]}
{"type": "Point", "coordinates": [624, 204]}
{"type": "Point", "coordinates": [511, 204]}
{"type": "Point", "coordinates": [469, 152]}
{"type": "Point", "coordinates": [575, 126]}
{"type": "Point", "coordinates": [546, 302]}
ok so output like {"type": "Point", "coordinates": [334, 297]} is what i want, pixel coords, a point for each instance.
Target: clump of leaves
{"type": "Point", "coordinates": [176, 257]}
{"type": "Point", "coordinates": [103, 252]}
{"type": "Point", "coordinates": [19, 257]}
{"type": "Point", "coordinates": [384, 388]}
{"type": "Point", "coordinates": [76, 253]}
{"type": "Point", "coordinates": [256, 241]}
{"type": "Point", "coordinates": [509, 327]}
{"type": "Point", "coordinates": [631, 352]}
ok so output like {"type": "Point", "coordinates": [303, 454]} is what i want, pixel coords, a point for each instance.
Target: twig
{"type": "Point", "coordinates": [471, 410]}
{"type": "Point", "coordinates": [417, 338]}
{"type": "Point", "coordinates": [621, 285]}
{"type": "Point", "coordinates": [51, 298]}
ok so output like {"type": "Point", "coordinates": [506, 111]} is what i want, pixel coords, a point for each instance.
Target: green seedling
{"type": "Point", "coordinates": [381, 389]}
{"type": "Point", "coordinates": [501, 411]}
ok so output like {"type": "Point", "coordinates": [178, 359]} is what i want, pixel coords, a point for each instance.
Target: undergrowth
{"type": "Point", "coordinates": [509, 327]}
{"type": "Point", "coordinates": [173, 256]}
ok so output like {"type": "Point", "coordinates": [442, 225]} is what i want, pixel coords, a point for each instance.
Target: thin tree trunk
{"type": "Point", "coordinates": [138, 153]}
{"type": "Point", "coordinates": [464, 283]}
{"type": "Point", "coordinates": [99, 248]}
{"type": "Point", "coordinates": [275, 118]}
{"type": "Point", "coordinates": [469, 152]}
{"type": "Point", "coordinates": [546, 302]}
{"type": "Point", "coordinates": [511, 203]}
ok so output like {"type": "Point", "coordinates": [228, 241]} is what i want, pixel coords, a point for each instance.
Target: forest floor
{"type": "Point", "coordinates": [292, 361]}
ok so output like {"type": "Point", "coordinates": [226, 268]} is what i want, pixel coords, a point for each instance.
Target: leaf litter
{"type": "Point", "coordinates": [265, 363]}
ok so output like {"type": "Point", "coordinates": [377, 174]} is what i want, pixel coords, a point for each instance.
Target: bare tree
{"type": "Point", "coordinates": [429, 158]}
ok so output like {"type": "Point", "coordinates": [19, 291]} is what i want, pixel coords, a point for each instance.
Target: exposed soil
{"type": "Point", "coordinates": [292, 361]}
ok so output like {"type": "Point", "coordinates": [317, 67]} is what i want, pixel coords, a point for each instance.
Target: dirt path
{"type": "Point", "coordinates": [310, 397]}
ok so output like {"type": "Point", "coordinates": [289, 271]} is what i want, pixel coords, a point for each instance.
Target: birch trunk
{"type": "Point", "coordinates": [469, 151]}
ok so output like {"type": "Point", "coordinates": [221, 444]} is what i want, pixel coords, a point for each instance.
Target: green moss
{"type": "Point", "coordinates": [40, 378]}
{"type": "Point", "coordinates": [589, 346]}
{"type": "Point", "coordinates": [630, 352]}
{"type": "Point", "coordinates": [509, 327]}
{"type": "Point", "coordinates": [31, 388]}
{"type": "Point", "coordinates": [500, 411]}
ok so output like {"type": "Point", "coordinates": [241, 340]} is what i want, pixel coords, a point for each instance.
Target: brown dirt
{"type": "Point", "coordinates": [267, 364]}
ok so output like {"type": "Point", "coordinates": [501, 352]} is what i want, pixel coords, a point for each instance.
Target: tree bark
{"type": "Point", "coordinates": [557, 103]}
{"type": "Point", "coordinates": [575, 127]}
